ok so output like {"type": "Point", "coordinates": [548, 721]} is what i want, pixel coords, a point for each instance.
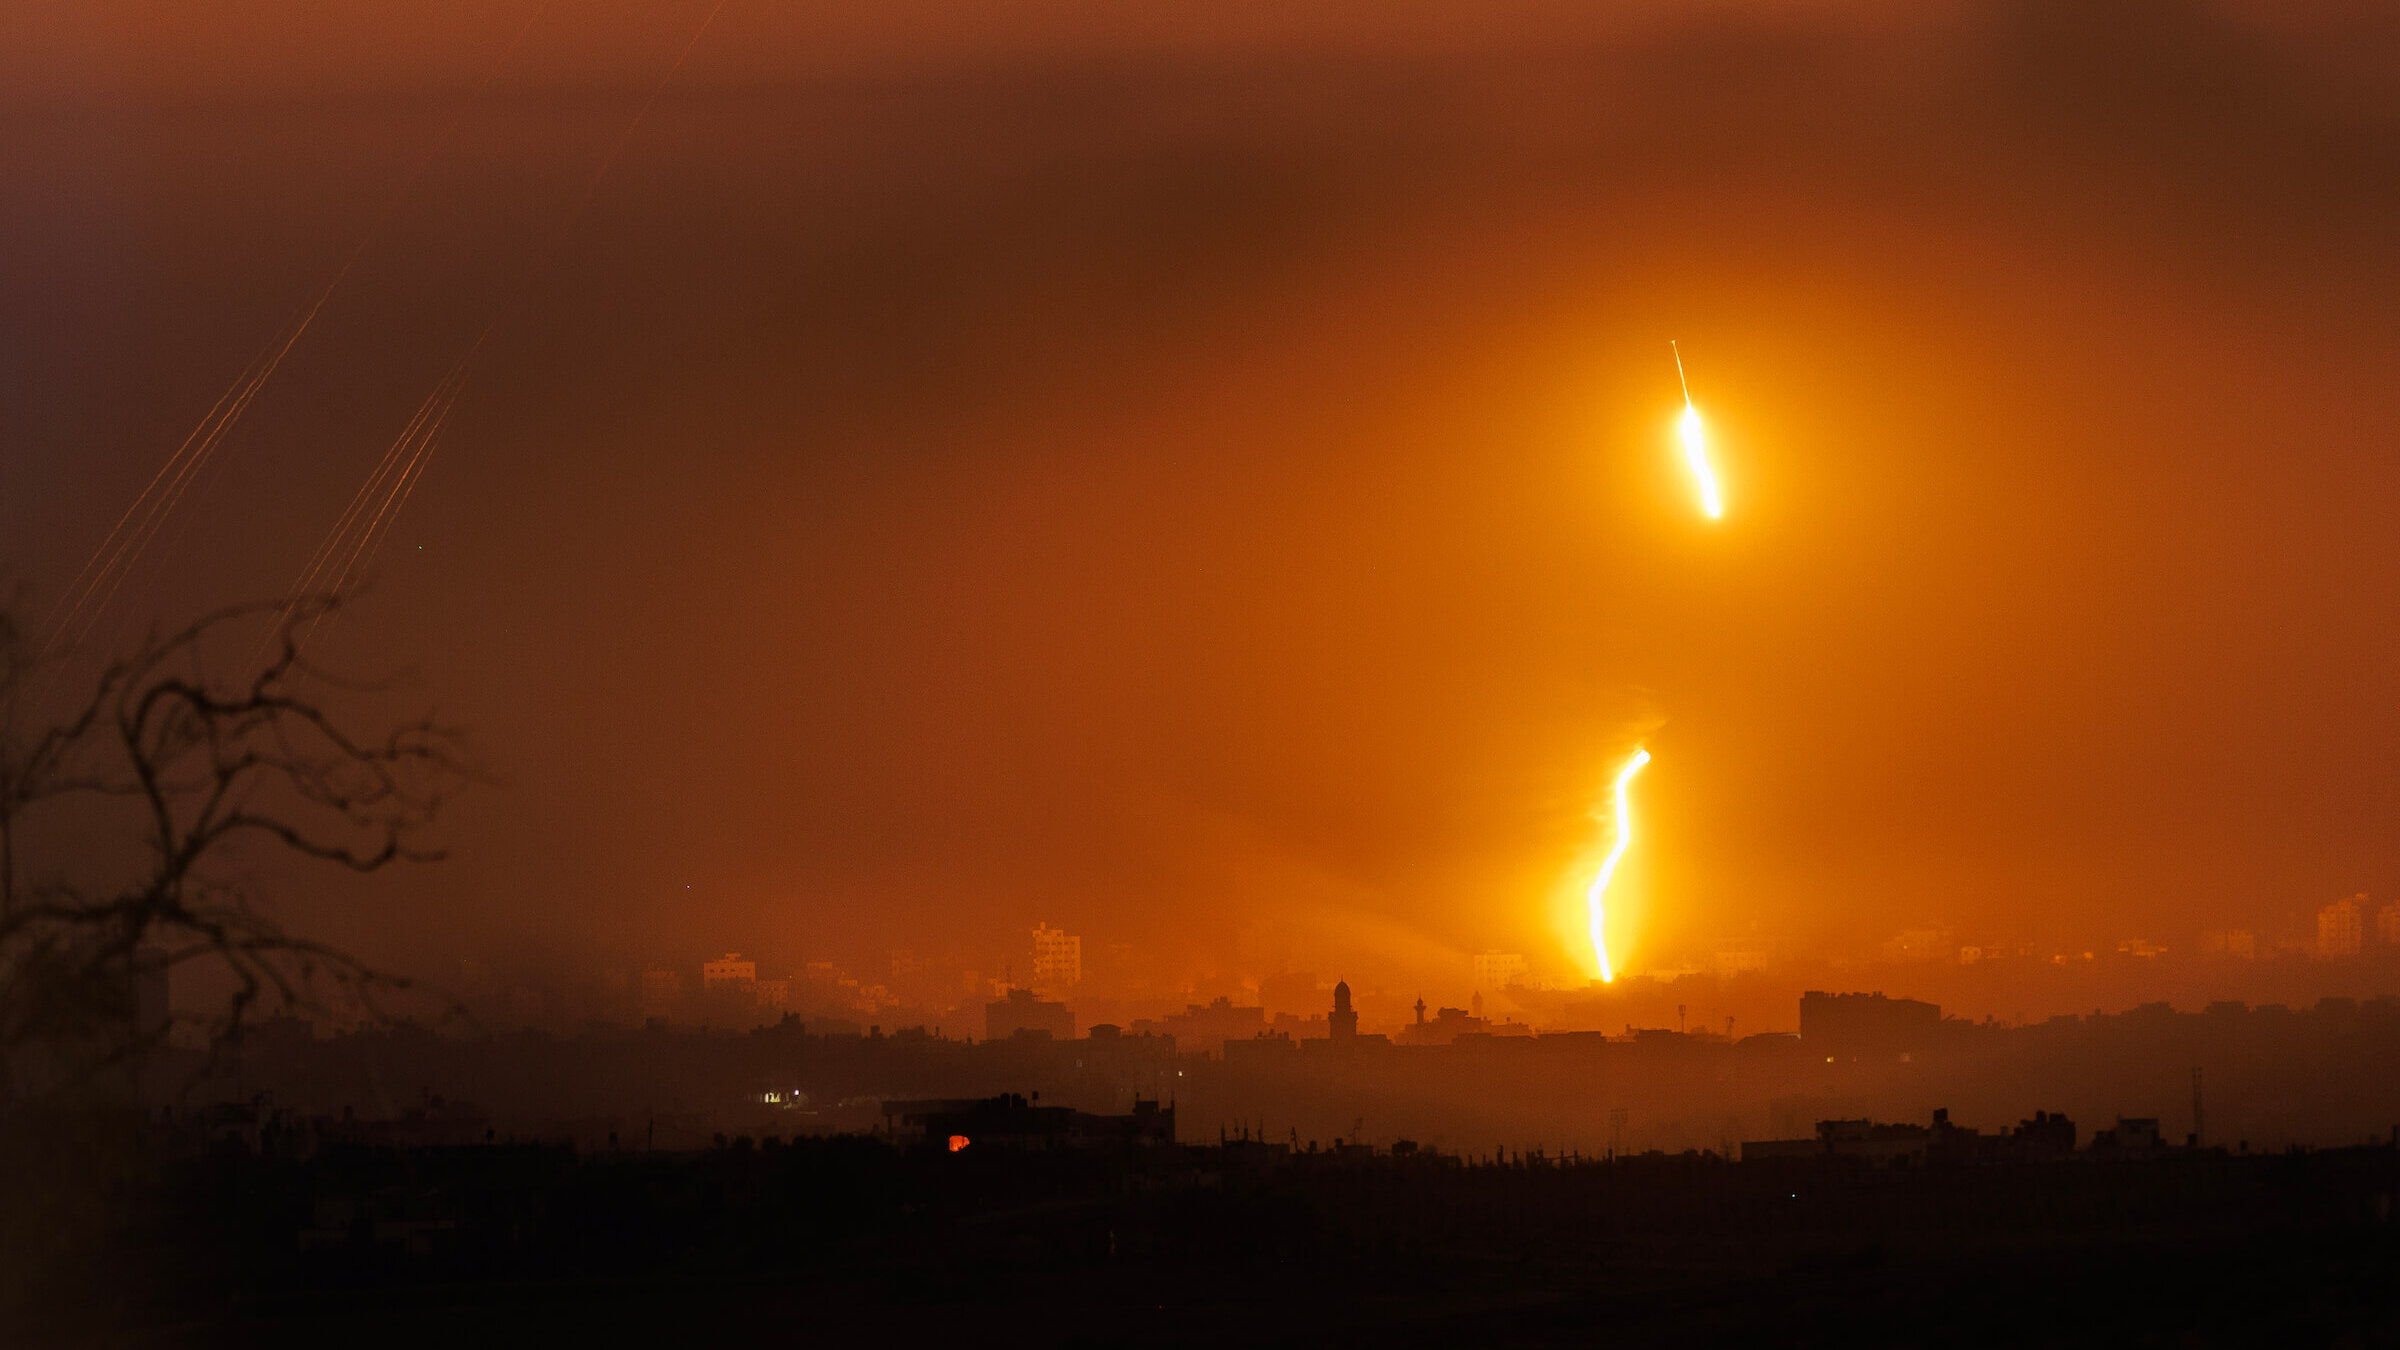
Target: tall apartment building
{"type": "Point", "coordinates": [2387, 923]}
{"type": "Point", "coordinates": [1499, 970]}
{"type": "Point", "coordinates": [1057, 958]}
{"type": "Point", "coordinates": [2341, 927]}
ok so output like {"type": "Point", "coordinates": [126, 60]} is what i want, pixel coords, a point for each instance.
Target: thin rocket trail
{"type": "Point", "coordinates": [92, 606]}
{"type": "Point", "coordinates": [412, 475]}
{"type": "Point", "coordinates": [332, 545]}
{"type": "Point", "coordinates": [121, 550]}
{"type": "Point", "coordinates": [359, 552]}
{"type": "Point", "coordinates": [610, 159]}
{"type": "Point", "coordinates": [87, 599]}
{"type": "Point", "coordinates": [337, 558]}
{"type": "Point", "coordinates": [248, 373]}
{"type": "Point", "coordinates": [403, 484]}
{"type": "Point", "coordinates": [1623, 829]}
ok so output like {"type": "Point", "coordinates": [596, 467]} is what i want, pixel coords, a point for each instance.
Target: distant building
{"type": "Point", "coordinates": [1265, 1048]}
{"type": "Point", "coordinates": [661, 990]}
{"type": "Point", "coordinates": [1499, 970]}
{"type": "Point", "coordinates": [1852, 1025]}
{"type": "Point", "coordinates": [728, 969]}
{"type": "Point", "coordinates": [775, 994]}
{"type": "Point", "coordinates": [1448, 1025]}
{"type": "Point", "coordinates": [1012, 1122]}
{"type": "Point", "coordinates": [2048, 1135]}
{"type": "Point", "coordinates": [1300, 1028]}
{"type": "Point", "coordinates": [1107, 1055]}
{"type": "Point", "coordinates": [1918, 944]}
{"type": "Point", "coordinates": [2341, 927]}
{"type": "Point", "coordinates": [1730, 964]}
{"type": "Point", "coordinates": [2045, 1137]}
{"type": "Point", "coordinates": [1057, 959]}
{"type": "Point", "coordinates": [2387, 924]}
{"type": "Point", "coordinates": [1023, 1011]}
{"type": "Point", "coordinates": [2130, 1137]}
{"type": "Point", "coordinates": [1343, 1021]}
{"type": "Point", "coordinates": [1872, 1143]}
{"type": "Point", "coordinates": [2239, 943]}
{"type": "Point", "coordinates": [1221, 1020]}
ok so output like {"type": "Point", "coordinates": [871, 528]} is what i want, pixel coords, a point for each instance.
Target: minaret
{"type": "Point", "coordinates": [1342, 1023]}
{"type": "Point", "coordinates": [1420, 1010]}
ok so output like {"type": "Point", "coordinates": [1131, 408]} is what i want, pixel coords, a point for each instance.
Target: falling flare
{"type": "Point", "coordinates": [1695, 444]}
{"type": "Point", "coordinates": [1623, 826]}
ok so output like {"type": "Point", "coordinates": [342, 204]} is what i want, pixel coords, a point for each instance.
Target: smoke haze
{"type": "Point", "coordinates": [1205, 478]}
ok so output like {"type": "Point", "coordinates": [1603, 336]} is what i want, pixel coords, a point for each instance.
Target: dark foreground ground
{"type": "Point", "coordinates": [116, 1240]}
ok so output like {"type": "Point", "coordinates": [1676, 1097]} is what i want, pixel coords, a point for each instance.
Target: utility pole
{"type": "Point", "coordinates": [2196, 1115]}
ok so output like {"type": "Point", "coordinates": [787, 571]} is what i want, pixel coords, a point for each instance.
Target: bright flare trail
{"type": "Point", "coordinates": [1695, 445]}
{"type": "Point", "coordinates": [1623, 825]}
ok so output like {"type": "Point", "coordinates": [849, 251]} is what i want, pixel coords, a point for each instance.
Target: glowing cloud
{"type": "Point", "coordinates": [1623, 827]}
{"type": "Point", "coordinates": [1695, 445]}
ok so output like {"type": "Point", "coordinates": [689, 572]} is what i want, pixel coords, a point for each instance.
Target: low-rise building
{"type": "Point", "coordinates": [1023, 1011]}
{"type": "Point", "coordinates": [661, 990]}
{"type": "Point", "coordinates": [1213, 1024]}
{"type": "Point", "coordinates": [728, 969]}
{"type": "Point", "coordinates": [2130, 1137]}
{"type": "Point", "coordinates": [1011, 1121]}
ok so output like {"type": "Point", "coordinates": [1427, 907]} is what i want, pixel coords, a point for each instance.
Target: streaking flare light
{"type": "Point", "coordinates": [1623, 827]}
{"type": "Point", "coordinates": [1695, 444]}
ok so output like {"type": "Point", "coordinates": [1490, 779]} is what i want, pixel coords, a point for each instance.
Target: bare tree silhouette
{"type": "Point", "coordinates": [129, 820]}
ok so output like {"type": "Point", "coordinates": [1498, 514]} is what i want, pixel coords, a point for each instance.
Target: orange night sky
{"type": "Point", "coordinates": [1209, 479]}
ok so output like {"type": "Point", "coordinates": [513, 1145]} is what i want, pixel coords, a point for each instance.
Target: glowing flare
{"type": "Point", "coordinates": [1695, 453]}
{"type": "Point", "coordinates": [1695, 444]}
{"type": "Point", "coordinates": [1623, 826]}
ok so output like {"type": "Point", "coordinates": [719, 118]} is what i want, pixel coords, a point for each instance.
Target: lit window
{"type": "Point", "coordinates": [959, 1142]}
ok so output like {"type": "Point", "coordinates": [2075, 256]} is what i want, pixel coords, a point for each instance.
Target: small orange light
{"type": "Point", "coordinates": [959, 1142]}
